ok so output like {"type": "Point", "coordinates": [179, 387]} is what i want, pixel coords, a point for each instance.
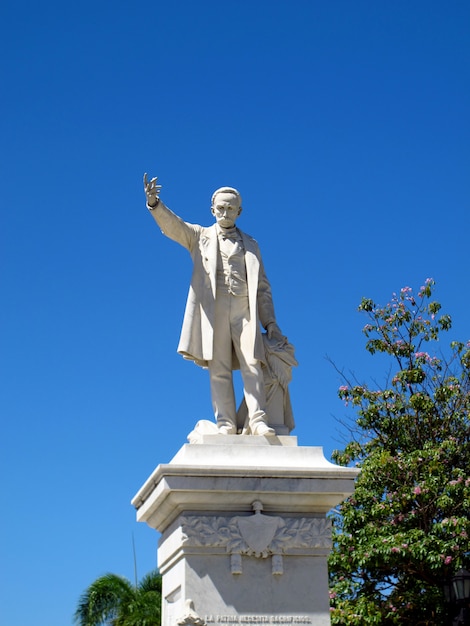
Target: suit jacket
{"type": "Point", "coordinates": [197, 333]}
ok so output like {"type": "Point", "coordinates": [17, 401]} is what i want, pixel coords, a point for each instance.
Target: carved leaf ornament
{"type": "Point", "coordinates": [258, 535]}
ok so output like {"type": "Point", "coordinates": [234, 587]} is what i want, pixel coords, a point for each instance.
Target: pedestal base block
{"type": "Point", "coordinates": [244, 537]}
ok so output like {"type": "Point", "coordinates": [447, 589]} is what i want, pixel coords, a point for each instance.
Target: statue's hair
{"type": "Point", "coordinates": [227, 190]}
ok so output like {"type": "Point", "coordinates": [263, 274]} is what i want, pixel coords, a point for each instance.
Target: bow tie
{"type": "Point", "coordinates": [229, 233]}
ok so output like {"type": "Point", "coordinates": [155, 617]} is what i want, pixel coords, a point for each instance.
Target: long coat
{"type": "Point", "coordinates": [197, 333]}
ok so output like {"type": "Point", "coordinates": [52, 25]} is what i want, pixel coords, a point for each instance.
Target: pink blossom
{"type": "Point", "coordinates": [447, 559]}
{"type": "Point", "coordinates": [417, 490]}
{"type": "Point", "coordinates": [422, 355]}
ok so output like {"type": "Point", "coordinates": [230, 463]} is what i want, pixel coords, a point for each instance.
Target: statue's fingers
{"type": "Point", "coordinates": [145, 180]}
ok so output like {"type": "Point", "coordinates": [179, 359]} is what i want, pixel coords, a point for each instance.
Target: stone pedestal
{"type": "Point", "coordinates": [244, 537]}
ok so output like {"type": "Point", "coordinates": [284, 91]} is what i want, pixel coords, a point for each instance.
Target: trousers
{"type": "Point", "coordinates": [232, 332]}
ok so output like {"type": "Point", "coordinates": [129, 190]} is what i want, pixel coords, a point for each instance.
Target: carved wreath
{"type": "Point", "coordinates": [223, 532]}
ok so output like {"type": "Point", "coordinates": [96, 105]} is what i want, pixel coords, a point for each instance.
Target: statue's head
{"type": "Point", "coordinates": [226, 206]}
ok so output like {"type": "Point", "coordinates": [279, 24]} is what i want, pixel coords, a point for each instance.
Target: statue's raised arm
{"type": "Point", "coordinates": [152, 191]}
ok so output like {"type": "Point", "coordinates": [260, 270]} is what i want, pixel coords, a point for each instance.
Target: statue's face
{"type": "Point", "coordinates": [226, 209]}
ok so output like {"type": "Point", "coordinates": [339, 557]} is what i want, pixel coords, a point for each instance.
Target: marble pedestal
{"type": "Point", "coordinates": [244, 537]}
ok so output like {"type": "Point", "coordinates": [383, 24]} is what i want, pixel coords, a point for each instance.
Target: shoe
{"type": "Point", "coordinates": [263, 430]}
{"type": "Point", "coordinates": [227, 430]}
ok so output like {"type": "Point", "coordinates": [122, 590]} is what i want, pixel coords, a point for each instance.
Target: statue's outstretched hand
{"type": "Point", "coordinates": [152, 191]}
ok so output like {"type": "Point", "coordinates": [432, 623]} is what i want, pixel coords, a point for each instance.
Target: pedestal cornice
{"type": "Point", "coordinates": [226, 473]}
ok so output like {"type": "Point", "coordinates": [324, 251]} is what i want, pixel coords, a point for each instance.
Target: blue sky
{"type": "Point", "coordinates": [345, 125]}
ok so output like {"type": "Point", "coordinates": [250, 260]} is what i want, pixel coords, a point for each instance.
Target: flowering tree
{"type": "Point", "coordinates": [406, 528]}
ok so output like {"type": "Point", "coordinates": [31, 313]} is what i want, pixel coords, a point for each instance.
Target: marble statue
{"type": "Point", "coordinates": [229, 298]}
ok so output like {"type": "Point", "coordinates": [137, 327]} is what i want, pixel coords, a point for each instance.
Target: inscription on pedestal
{"type": "Point", "coordinates": [258, 619]}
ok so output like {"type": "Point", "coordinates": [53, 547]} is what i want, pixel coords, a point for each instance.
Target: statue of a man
{"type": "Point", "coordinates": [228, 298]}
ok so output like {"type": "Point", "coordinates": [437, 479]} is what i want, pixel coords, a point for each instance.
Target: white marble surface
{"type": "Point", "coordinates": [229, 301]}
{"type": "Point", "coordinates": [224, 472]}
{"type": "Point", "coordinates": [244, 533]}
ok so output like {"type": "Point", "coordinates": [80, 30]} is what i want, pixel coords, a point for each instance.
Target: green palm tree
{"type": "Point", "coordinates": [112, 600]}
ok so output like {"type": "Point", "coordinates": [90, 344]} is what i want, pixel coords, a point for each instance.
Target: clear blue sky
{"type": "Point", "coordinates": [345, 124]}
